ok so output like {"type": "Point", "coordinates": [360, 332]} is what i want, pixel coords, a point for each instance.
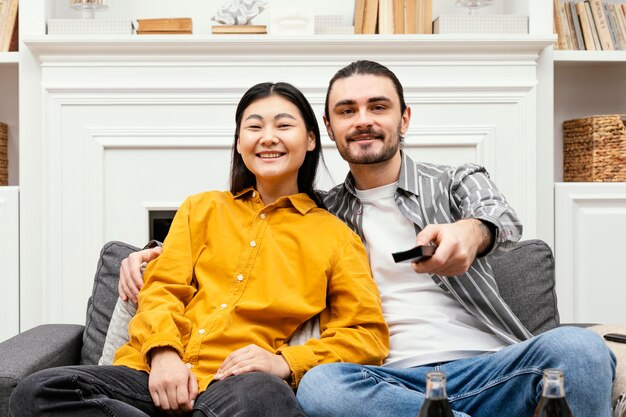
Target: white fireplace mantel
{"type": "Point", "coordinates": [129, 124]}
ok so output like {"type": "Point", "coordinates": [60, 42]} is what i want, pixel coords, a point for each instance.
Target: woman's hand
{"type": "Point", "coordinates": [172, 385]}
{"type": "Point", "coordinates": [253, 358]}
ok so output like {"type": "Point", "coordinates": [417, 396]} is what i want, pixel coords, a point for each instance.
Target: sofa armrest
{"type": "Point", "coordinates": [41, 347]}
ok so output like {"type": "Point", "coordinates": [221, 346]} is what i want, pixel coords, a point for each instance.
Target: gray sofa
{"type": "Point", "coordinates": [525, 277]}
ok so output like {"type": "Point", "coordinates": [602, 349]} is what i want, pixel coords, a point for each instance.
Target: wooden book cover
{"type": "Point", "coordinates": [427, 16]}
{"type": "Point", "coordinates": [239, 29]}
{"type": "Point", "coordinates": [359, 16]}
{"type": "Point", "coordinates": [398, 16]}
{"type": "Point", "coordinates": [180, 24]}
{"type": "Point", "coordinates": [594, 30]}
{"type": "Point", "coordinates": [385, 17]}
{"type": "Point", "coordinates": [601, 25]}
{"type": "Point", "coordinates": [410, 21]}
{"type": "Point", "coordinates": [370, 21]}
{"type": "Point", "coordinates": [570, 24]}
{"type": "Point", "coordinates": [8, 22]}
{"type": "Point", "coordinates": [585, 27]}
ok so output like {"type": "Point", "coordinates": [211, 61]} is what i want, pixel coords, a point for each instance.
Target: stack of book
{"type": "Point", "coordinates": [592, 25]}
{"type": "Point", "coordinates": [172, 26]}
{"type": "Point", "coordinates": [393, 16]}
{"type": "Point", "coordinates": [239, 29]}
{"type": "Point", "coordinates": [8, 25]}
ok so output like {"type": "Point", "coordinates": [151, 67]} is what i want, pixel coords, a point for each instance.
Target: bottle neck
{"type": "Point", "coordinates": [553, 385]}
{"type": "Point", "coordinates": [436, 386]}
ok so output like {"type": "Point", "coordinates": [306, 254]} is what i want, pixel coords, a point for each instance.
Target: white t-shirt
{"type": "Point", "coordinates": [426, 324]}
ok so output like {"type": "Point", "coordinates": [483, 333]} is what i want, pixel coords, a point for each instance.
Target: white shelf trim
{"type": "Point", "coordinates": [589, 56]}
{"type": "Point", "coordinates": [358, 45]}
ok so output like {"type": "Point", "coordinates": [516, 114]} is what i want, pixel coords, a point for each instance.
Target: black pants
{"type": "Point", "coordinates": [119, 391]}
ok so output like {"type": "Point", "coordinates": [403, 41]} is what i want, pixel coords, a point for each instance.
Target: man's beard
{"type": "Point", "coordinates": [389, 149]}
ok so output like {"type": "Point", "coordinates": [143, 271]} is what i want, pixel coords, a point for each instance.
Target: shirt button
{"type": "Point", "coordinates": [253, 243]}
{"type": "Point", "coordinates": [239, 277]}
{"type": "Point", "coordinates": [262, 215]}
{"type": "Point", "coordinates": [201, 331]}
{"type": "Point", "coordinates": [188, 365]}
{"type": "Point", "coordinates": [224, 305]}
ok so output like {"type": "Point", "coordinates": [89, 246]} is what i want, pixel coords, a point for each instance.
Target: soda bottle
{"type": "Point", "coordinates": [552, 402]}
{"type": "Point", "coordinates": [436, 403]}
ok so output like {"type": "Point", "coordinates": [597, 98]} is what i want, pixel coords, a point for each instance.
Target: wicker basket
{"type": "Point", "coordinates": [594, 149]}
{"type": "Point", "coordinates": [4, 159]}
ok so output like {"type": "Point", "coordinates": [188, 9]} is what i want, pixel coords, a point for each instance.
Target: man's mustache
{"type": "Point", "coordinates": [376, 134]}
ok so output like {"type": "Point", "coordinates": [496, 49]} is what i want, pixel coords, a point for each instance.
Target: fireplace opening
{"type": "Point", "coordinates": [160, 222]}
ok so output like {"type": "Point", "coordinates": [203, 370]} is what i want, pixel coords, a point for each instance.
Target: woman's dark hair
{"type": "Point", "coordinates": [366, 68]}
{"type": "Point", "coordinates": [240, 175]}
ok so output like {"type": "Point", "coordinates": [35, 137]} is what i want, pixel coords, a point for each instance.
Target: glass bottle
{"type": "Point", "coordinates": [436, 403]}
{"type": "Point", "coordinates": [552, 402]}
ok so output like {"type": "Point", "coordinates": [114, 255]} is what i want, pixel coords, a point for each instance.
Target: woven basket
{"type": "Point", "coordinates": [594, 149]}
{"type": "Point", "coordinates": [4, 159]}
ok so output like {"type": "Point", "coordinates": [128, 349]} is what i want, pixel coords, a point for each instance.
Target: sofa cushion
{"type": "Point", "coordinates": [102, 301]}
{"type": "Point", "coordinates": [525, 278]}
{"type": "Point", "coordinates": [619, 350]}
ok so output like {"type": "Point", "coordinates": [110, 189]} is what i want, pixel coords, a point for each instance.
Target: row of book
{"type": "Point", "coordinates": [393, 16]}
{"type": "Point", "coordinates": [592, 25]}
{"type": "Point", "coordinates": [8, 25]}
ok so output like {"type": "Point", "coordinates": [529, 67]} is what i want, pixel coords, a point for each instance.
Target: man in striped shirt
{"type": "Point", "coordinates": [444, 313]}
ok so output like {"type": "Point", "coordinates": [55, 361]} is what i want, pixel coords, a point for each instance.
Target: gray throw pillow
{"type": "Point", "coordinates": [102, 301]}
{"type": "Point", "coordinates": [525, 278]}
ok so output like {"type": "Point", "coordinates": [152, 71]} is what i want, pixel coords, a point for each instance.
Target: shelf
{"type": "Point", "coordinates": [588, 57]}
{"type": "Point", "coordinates": [361, 45]}
{"type": "Point", "coordinates": [9, 58]}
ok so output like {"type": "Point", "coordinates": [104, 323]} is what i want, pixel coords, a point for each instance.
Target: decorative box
{"type": "Point", "coordinates": [90, 27]}
{"type": "Point", "coordinates": [481, 24]}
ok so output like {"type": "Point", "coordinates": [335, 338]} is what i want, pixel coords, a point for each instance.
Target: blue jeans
{"type": "Point", "coordinates": [505, 383]}
{"type": "Point", "coordinates": [90, 391]}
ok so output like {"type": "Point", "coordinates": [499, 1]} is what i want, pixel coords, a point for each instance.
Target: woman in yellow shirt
{"type": "Point", "coordinates": [240, 273]}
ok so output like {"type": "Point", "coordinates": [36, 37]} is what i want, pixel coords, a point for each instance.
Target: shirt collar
{"type": "Point", "coordinates": [403, 181]}
{"type": "Point", "coordinates": [301, 201]}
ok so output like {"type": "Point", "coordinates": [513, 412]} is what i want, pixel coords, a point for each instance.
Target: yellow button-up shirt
{"type": "Point", "coordinates": [235, 272]}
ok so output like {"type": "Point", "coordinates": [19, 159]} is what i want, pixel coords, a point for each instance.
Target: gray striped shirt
{"type": "Point", "coordinates": [432, 194]}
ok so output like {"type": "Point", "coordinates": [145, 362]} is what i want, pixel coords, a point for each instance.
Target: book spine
{"type": "Point", "coordinates": [577, 29]}
{"type": "Point", "coordinates": [359, 16]}
{"type": "Point", "coordinates": [601, 25]}
{"type": "Point", "coordinates": [371, 16]}
{"type": "Point", "coordinates": [570, 24]}
{"type": "Point", "coordinates": [616, 13]}
{"type": "Point", "coordinates": [411, 15]}
{"type": "Point", "coordinates": [398, 16]}
{"type": "Point", "coordinates": [385, 17]}
{"type": "Point", "coordinates": [558, 29]}
{"type": "Point", "coordinates": [594, 28]}
{"type": "Point", "coordinates": [428, 16]}
{"type": "Point", "coordinates": [567, 38]}
{"type": "Point", "coordinates": [621, 20]}
{"type": "Point", "coordinates": [8, 21]}
{"type": "Point", "coordinates": [584, 26]}
{"type": "Point", "coordinates": [611, 24]}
